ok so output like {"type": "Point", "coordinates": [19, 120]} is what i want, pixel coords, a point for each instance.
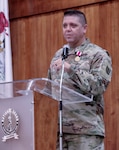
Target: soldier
{"type": "Point", "coordinates": [87, 70]}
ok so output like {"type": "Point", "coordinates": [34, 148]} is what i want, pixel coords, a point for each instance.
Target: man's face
{"type": "Point", "coordinates": [73, 30]}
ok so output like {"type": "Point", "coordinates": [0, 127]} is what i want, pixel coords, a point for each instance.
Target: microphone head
{"type": "Point", "coordinates": [65, 51]}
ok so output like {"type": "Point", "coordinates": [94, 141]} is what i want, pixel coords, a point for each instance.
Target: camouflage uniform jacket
{"type": "Point", "coordinates": [91, 74]}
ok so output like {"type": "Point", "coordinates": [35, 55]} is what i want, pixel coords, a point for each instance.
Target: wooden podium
{"type": "Point", "coordinates": [29, 113]}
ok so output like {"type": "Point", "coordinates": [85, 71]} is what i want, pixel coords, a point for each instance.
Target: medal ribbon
{"type": "Point", "coordinates": [78, 53]}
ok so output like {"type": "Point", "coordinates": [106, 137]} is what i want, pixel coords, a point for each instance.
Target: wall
{"type": "Point", "coordinates": [36, 38]}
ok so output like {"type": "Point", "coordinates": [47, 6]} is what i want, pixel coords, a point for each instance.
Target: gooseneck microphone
{"type": "Point", "coordinates": [64, 56]}
{"type": "Point", "coordinates": [65, 52]}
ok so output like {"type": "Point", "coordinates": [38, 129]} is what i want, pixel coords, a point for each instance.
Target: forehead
{"type": "Point", "coordinates": [71, 19]}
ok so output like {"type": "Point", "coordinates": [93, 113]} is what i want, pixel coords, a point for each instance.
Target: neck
{"type": "Point", "coordinates": [74, 45]}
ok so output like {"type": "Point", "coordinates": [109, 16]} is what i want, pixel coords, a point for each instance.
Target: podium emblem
{"type": "Point", "coordinates": [10, 121]}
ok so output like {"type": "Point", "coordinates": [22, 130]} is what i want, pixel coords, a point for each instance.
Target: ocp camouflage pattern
{"type": "Point", "coordinates": [90, 75]}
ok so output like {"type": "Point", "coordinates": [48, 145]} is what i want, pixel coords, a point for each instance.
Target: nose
{"type": "Point", "coordinates": [68, 28]}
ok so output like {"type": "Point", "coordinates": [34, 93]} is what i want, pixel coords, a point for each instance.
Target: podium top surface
{"type": "Point", "coordinates": [43, 86]}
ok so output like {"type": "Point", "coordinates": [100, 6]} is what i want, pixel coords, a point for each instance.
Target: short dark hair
{"type": "Point", "coordinates": [78, 13]}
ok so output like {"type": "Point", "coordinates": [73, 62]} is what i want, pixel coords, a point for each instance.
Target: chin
{"type": "Point", "coordinates": [69, 41]}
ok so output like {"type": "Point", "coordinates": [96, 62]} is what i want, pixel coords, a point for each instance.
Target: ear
{"type": "Point", "coordinates": [85, 28]}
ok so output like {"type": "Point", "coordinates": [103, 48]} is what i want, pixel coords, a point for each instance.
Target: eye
{"type": "Point", "coordinates": [64, 25]}
{"type": "Point", "coordinates": [73, 25]}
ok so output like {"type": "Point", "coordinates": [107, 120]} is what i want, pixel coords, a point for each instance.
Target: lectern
{"type": "Point", "coordinates": [29, 113]}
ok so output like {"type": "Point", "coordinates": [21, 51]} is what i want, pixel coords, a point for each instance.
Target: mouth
{"type": "Point", "coordinates": [68, 36]}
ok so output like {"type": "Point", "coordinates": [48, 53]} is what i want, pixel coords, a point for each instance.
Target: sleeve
{"type": "Point", "coordinates": [96, 80]}
{"type": "Point", "coordinates": [55, 57]}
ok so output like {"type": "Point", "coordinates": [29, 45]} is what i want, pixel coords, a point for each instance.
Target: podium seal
{"type": "Point", "coordinates": [10, 121]}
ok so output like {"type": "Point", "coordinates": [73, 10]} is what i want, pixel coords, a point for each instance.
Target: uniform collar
{"type": "Point", "coordinates": [81, 47]}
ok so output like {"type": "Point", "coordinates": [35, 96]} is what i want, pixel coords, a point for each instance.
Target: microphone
{"type": "Point", "coordinates": [65, 52]}
{"type": "Point", "coordinates": [64, 56]}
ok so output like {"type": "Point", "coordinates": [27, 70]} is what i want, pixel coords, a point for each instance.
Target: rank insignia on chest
{"type": "Point", "coordinates": [78, 55]}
